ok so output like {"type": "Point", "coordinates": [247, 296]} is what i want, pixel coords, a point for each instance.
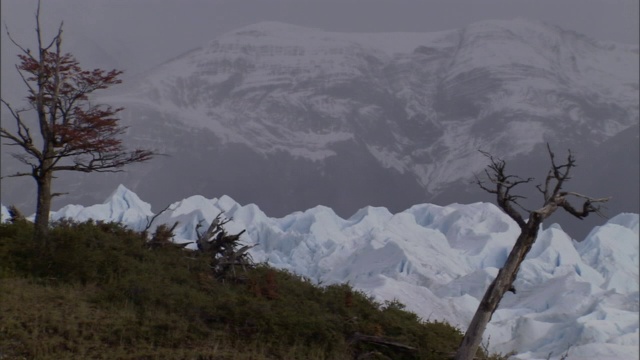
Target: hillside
{"type": "Point", "coordinates": [100, 292]}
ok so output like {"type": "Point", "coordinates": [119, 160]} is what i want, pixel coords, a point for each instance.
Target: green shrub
{"type": "Point", "coordinates": [16, 248]}
{"type": "Point", "coordinates": [96, 291]}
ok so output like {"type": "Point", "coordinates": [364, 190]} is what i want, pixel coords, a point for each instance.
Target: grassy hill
{"type": "Point", "coordinates": [98, 291]}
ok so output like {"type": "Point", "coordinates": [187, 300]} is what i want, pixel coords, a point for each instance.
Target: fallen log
{"type": "Point", "coordinates": [380, 340]}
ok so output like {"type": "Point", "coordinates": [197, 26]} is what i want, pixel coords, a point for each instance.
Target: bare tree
{"type": "Point", "coordinates": [223, 248]}
{"type": "Point", "coordinates": [502, 186]}
{"type": "Point", "coordinates": [72, 133]}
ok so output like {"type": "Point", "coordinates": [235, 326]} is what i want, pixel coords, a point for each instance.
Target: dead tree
{"type": "Point", "coordinates": [163, 234]}
{"type": "Point", "coordinates": [163, 237]}
{"type": "Point", "coordinates": [15, 215]}
{"type": "Point", "coordinates": [223, 248]}
{"type": "Point", "coordinates": [502, 186]}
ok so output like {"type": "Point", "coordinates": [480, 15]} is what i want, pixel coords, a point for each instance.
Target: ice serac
{"type": "Point", "coordinates": [122, 206]}
{"type": "Point", "coordinates": [613, 251]}
{"type": "Point", "coordinates": [290, 117]}
{"type": "Point", "coordinates": [579, 298]}
{"type": "Point", "coordinates": [4, 214]}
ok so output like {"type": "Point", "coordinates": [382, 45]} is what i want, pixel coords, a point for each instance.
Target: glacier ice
{"type": "Point", "coordinates": [579, 298]}
{"type": "Point", "coordinates": [4, 214]}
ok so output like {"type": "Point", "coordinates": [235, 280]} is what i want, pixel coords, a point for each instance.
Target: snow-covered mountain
{"type": "Point", "coordinates": [290, 117]}
{"type": "Point", "coordinates": [581, 298]}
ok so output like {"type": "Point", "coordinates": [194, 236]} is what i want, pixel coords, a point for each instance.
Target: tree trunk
{"type": "Point", "coordinates": [43, 207]}
{"type": "Point", "coordinates": [497, 289]}
{"type": "Point", "coordinates": [554, 198]}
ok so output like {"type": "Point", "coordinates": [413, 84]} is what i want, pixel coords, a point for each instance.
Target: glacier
{"type": "Point", "coordinates": [576, 298]}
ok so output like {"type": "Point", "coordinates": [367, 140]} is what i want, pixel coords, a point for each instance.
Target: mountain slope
{"type": "Point", "coordinates": [290, 117]}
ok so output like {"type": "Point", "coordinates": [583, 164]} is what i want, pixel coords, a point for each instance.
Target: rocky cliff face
{"type": "Point", "coordinates": [290, 117]}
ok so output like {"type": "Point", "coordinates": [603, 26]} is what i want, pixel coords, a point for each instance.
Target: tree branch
{"type": "Point", "coordinates": [27, 144]}
{"type": "Point", "coordinates": [605, 199]}
{"type": "Point", "coordinates": [25, 81]}
{"type": "Point", "coordinates": [150, 221]}
{"type": "Point", "coordinates": [27, 52]}
{"type": "Point", "coordinates": [587, 207]}
{"type": "Point", "coordinates": [105, 162]}
{"type": "Point", "coordinates": [55, 39]}
{"type": "Point", "coordinates": [19, 174]}
{"type": "Point", "coordinates": [495, 172]}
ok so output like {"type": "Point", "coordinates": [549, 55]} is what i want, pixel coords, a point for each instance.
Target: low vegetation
{"type": "Point", "coordinates": [99, 291]}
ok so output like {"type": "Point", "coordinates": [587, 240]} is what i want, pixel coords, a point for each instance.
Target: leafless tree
{"type": "Point", "coordinates": [223, 248]}
{"type": "Point", "coordinates": [502, 185]}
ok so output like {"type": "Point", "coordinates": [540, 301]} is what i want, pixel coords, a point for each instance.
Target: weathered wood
{"type": "Point", "coordinates": [554, 199]}
{"type": "Point", "coordinates": [221, 246]}
{"type": "Point", "coordinates": [379, 340]}
{"type": "Point", "coordinates": [494, 294]}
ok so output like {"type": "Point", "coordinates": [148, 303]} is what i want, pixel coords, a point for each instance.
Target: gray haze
{"type": "Point", "coordinates": [136, 34]}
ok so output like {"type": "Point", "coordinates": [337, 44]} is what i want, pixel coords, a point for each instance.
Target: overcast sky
{"type": "Point", "coordinates": [136, 34]}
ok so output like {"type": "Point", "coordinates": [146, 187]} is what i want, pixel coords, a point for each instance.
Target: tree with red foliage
{"type": "Point", "coordinates": [74, 134]}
